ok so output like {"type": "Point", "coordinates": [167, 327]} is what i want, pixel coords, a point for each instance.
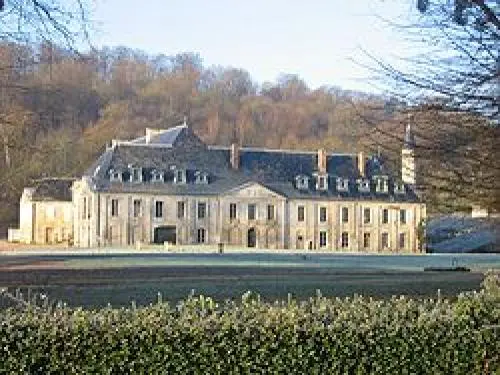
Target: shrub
{"type": "Point", "coordinates": [320, 336]}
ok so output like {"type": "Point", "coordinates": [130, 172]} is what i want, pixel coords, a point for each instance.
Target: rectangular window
{"type": "Point", "coordinates": [321, 183]}
{"type": "Point", "coordinates": [270, 212]}
{"type": "Point", "coordinates": [322, 214]}
{"type": "Point", "coordinates": [84, 213]}
{"type": "Point", "coordinates": [345, 215]}
{"type": "Point", "coordinates": [179, 176]}
{"type": "Point", "coordinates": [402, 216]}
{"type": "Point", "coordinates": [232, 211]}
{"type": "Point", "coordinates": [345, 239]}
{"type": "Point", "coordinates": [135, 175]}
{"type": "Point", "coordinates": [159, 209]}
{"type": "Point", "coordinates": [367, 216]}
{"type": "Point", "coordinates": [366, 240]}
{"type": "Point", "coordinates": [181, 208]}
{"type": "Point", "coordinates": [300, 213]}
{"type": "Point", "coordinates": [402, 240]}
{"type": "Point", "coordinates": [201, 235]}
{"type": "Point", "coordinates": [322, 239]}
{"type": "Point", "coordinates": [385, 240]}
{"type": "Point", "coordinates": [202, 210]}
{"type": "Point", "coordinates": [137, 208]}
{"type": "Point", "coordinates": [385, 216]}
{"type": "Point", "coordinates": [114, 207]}
{"type": "Point", "coordinates": [251, 212]}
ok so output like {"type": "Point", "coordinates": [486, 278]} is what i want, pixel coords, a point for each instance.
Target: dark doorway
{"type": "Point", "coordinates": [49, 235]}
{"type": "Point", "coordinates": [251, 238]}
{"type": "Point", "coordinates": [165, 234]}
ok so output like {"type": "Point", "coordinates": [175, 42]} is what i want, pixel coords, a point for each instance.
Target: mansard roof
{"type": "Point", "coordinates": [52, 189]}
{"type": "Point", "coordinates": [179, 148]}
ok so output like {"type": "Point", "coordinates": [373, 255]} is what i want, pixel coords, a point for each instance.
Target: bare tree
{"type": "Point", "coordinates": [451, 87]}
{"type": "Point", "coordinates": [59, 21]}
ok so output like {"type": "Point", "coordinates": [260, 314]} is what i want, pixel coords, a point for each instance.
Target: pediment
{"type": "Point", "coordinates": [253, 190]}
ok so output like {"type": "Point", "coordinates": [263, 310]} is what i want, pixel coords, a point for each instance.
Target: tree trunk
{"type": "Point", "coordinates": [6, 151]}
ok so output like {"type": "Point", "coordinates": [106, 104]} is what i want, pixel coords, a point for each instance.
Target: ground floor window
{"type": "Point", "coordinates": [345, 239]}
{"type": "Point", "coordinates": [322, 239]}
{"type": "Point", "coordinates": [402, 240]}
{"type": "Point", "coordinates": [201, 235]}
{"type": "Point", "coordinates": [366, 240]}
{"type": "Point", "coordinates": [252, 237]}
{"type": "Point", "coordinates": [385, 240]}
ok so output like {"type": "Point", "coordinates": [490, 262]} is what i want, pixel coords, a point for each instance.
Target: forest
{"type": "Point", "coordinates": [59, 109]}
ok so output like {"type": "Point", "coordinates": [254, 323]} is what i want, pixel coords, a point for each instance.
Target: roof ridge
{"type": "Point", "coordinates": [63, 178]}
{"type": "Point", "coordinates": [278, 150]}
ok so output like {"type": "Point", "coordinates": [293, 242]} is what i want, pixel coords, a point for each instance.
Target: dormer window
{"type": "Point", "coordinates": [364, 185]}
{"type": "Point", "coordinates": [382, 184]}
{"type": "Point", "coordinates": [342, 184]}
{"type": "Point", "coordinates": [201, 177]}
{"type": "Point", "coordinates": [399, 188]}
{"type": "Point", "coordinates": [135, 174]}
{"type": "Point", "coordinates": [179, 176]}
{"type": "Point", "coordinates": [115, 175]}
{"type": "Point", "coordinates": [302, 182]}
{"type": "Point", "coordinates": [321, 182]}
{"type": "Point", "coordinates": [157, 176]}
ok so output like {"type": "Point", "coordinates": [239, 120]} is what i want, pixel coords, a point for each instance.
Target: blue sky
{"type": "Point", "coordinates": [316, 39]}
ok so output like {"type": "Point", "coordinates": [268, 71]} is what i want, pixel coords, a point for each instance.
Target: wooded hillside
{"type": "Point", "coordinates": [58, 109]}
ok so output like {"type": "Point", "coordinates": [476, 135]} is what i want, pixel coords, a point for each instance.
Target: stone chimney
{"type": "Point", "coordinates": [361, 163]}
{"type": "Point", "coordinates": [149, 134]}
{"type": "Point", "coordinates": [322, 160]}
{"type": "Point", "coordinates": [235, 156]}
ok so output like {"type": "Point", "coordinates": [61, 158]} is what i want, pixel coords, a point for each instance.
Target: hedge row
{"type": "Point", "coordinates": [321, 336]}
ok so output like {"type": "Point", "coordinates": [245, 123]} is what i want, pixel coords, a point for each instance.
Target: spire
{"type": "Point", "coordinates": [409, 137]}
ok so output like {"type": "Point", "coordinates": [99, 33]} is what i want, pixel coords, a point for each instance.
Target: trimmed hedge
{"type": "Point", "coordinates": [321, 336]}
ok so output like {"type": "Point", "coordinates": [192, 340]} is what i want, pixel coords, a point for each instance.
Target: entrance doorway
{"type": "Point", "coordinates": [49, 236]}
{"type": "Point", "coordinates": [165, 234]}
{"type": "Point", "coordinates": [251, 238]}
{"type": "Point", "coordinates": [300, 242]}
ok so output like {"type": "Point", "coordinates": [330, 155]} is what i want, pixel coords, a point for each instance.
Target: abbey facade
{"type": "Point", "coordinates": [170, 186]}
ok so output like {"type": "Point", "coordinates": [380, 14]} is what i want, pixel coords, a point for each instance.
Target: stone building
{"type": "Point", "coordinates": [45, 213]}
{"type": "Point", "coordinates": [170, 186]}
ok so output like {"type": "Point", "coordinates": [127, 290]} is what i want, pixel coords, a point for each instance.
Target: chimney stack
{"type": "Point", "coordinates": [149, 135]}
{"type": "Point", "coordinates": [361, 163]}
{"type": "Point", "coordinates": [235, 156]}
{"type": "Point", "coordinates": [322, 160]}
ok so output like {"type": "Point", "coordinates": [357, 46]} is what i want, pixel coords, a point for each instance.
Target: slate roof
{"type": "Point", "coordinates": [180, 148]}
{"type": "Point", "coordinates": [53, 189]}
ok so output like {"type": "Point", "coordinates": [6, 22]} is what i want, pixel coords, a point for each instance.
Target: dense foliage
{"type": "Point", "coordinates": [59, 109]}
{"type": "Point", "coordinates": [320, 336]}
